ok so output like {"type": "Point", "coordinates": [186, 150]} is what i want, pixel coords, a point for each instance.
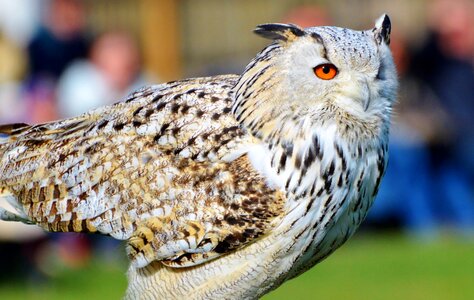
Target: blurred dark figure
{"type": "Point", "coordinates": [446, 66]}
{"type": "Point", "coordinates": [112, 71]}
{"type": "Point", "coordinates": [58, 42]}
{"type": "Point", "coordinates": [428, 183]}
{"type": "Point", "coordinates": [405, 198]}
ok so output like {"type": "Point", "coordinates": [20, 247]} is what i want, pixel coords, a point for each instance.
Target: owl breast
{"type": "Point", "coordinates": [330, 184]}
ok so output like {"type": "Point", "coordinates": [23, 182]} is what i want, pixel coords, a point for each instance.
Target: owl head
{"type": "Point", "coordinates": [315, 72]}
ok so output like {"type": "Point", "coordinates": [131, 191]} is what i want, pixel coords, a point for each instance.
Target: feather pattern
{"type": "Point", "coordinates": [225, 186]}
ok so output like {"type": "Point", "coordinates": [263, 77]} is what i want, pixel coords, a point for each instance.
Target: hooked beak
{"type": "Point", "coordinates": [366, 103]}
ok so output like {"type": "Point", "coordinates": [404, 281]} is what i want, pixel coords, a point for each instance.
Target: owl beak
{"type": "Point", "coordinates": [367, 99]}
{"type": "Point", "coordinates": [382, 30]}
{"type": "Point", "coordinates": [367, 103]}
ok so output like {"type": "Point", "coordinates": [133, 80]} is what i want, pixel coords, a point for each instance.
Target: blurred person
{"type": "Point", "coordinates": [445, 65]}
{"type": "Point", "coordinates": [59, 41]}
{"type": "Point", "coordinates": [112, 71]}
{"type": "Point", "coordinates": [12, 70]}
{"type": "Point", "coordinates": [436, 89]}
{"type": "Point", "coordinates": [405, 197]}
{"type": "Point", "coordinates": [432, 124]}
{"type": "Point", "coordinates": [308, 16]}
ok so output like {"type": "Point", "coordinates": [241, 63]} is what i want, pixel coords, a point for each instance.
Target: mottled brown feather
{"type": "Point", "coordinates": [148, 169]}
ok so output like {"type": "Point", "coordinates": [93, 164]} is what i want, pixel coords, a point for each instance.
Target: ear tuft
{"type": "Point", "coordinates": [277, 31]}
{"type": "Point", "coordinates": [382, 29]}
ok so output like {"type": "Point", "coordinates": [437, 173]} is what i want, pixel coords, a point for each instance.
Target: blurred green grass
{"type": "Point", "coordinates": [388, 266]}
{"type": "Point", "coordinates": [96, 280]}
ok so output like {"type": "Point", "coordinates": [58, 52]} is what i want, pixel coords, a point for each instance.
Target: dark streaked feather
{"type": "Point", "coordinates": [277, 31]}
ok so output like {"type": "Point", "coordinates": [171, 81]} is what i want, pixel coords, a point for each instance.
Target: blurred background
{"type": "Point", "coordinates": [59, 58]}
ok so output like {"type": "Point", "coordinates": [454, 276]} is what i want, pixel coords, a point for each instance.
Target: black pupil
{"type": "Point", "coordinates": [326, 69]}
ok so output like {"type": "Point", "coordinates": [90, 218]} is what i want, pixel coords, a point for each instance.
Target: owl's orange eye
{"type": "Point", "coordinates": [325, 71]}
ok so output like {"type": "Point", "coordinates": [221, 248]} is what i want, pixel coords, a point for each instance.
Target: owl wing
{"type": "Point", "coordinates": [159, 170]}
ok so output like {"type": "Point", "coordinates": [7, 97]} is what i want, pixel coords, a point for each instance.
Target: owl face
{"type": "Point", "coordinates": [317, 75]}
{"type": "Point", "coordinates": [350, 69]}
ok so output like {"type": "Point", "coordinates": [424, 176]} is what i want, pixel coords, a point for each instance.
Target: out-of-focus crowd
{"type": "Point", "coordinates": [60, 70]}
{"type": "Point", "coordinates": [53, 67]}
{"type": "Point", "coordinates": [429, 182]}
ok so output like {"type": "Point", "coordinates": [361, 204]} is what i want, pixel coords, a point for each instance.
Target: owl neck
{"type": "Point", "coordinates": [255, 105]}
{"type": "Point", "coordinates": [300, 148]}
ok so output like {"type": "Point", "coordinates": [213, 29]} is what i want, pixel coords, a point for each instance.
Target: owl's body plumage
{"type": "Point", "coordinates": [226, 186]}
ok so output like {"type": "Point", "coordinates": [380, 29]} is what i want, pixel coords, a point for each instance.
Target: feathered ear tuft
{"type": "Point", "coordinates": [277, 31]}
{"type": "Point", "coordinates": [9, 129]}
{"type": "Point", "coordinates": [382, 29]}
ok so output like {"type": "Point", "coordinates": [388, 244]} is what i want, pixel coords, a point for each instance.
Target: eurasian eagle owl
{"type": "Point", "coordinates": [223, 187]}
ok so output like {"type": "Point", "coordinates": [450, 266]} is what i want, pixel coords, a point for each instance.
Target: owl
{"type": "Point", "coordinates": [222, 187]}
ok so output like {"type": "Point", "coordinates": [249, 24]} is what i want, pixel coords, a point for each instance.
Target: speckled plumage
{"type": "Point", "coordinates": [224, 187]}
